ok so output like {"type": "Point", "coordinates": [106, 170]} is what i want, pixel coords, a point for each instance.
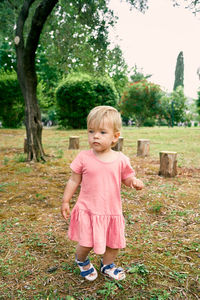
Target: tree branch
{"type": "Point", "coordinates": [21, 21]}
{"type": "Point", "coordinates": [41, 13]}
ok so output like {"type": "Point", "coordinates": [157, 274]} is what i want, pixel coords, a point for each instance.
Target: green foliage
{"type": "Point", "coordinates": [156, 207]}
{"type": "Point", "coordinates": [198, 102]}
{"type": "Point", "coordinates": [76, 36]}
{"type": "Point", "coordinates": [149, 122]}
{"type": "Point", "coordinates": [109, 289]}
{"type": "Point", "coordinates": [45, 98]}
{"type": "Point", "coordinates": [138, 75]}
{"type": "Point", "coordinates": [139, 269]}
{"type": "Point", "coordinates": [78, 94]}
{"type": "Point", "coordinates": [174, 107]}
{"type": "Point", "coordinates": [141, 100]}
{"type": "Point", "coordinates": [179, 72]}
{"type": "Point", "coordinates": [20, 158]}
{"type": "Point", "coordinates": [47, 102]}
{"type": "Point", "coordinates": [48, 77]}
{"type": "Point", "coordinates": [141, 5]}
{"type": "Point", "coordinates": [117, 69]}
{"type": "Point", "coordinates": [192, 5]}
{"type": "Point", "coordinates": [7, 55]}
{"type": "Point", "coordinates": [11, 100]}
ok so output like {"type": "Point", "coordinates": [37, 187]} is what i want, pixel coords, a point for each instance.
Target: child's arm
{"type": "Point", "coordinates": [70, 189]}
{"type": "Point", "coordinates": [133, 182]}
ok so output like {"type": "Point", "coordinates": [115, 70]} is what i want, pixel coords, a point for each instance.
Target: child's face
{"type": "Point", "coordinates": [102, 138]}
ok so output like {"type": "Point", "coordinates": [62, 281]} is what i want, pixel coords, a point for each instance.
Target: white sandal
{"type": "Point", "coordinates": [112, 271]}
{"type": "Point", "coordinates": [91, 273]}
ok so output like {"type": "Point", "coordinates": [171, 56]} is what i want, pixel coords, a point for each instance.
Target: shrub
{"type": "Point", "coordinates": [150, 122]}
{"type": "Point", "coordinates": [141, 100]}
{"type": "Point", "coordinates": [11, 100]}
{"type": "Point", "coordinates": [78, 94]}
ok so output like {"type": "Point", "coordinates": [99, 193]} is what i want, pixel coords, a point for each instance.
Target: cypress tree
{"type": "Point", "coordinates": [179, 71]}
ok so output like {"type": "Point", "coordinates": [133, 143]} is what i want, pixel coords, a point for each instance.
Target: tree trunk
{"type": "Point", "coordinates": [27, 75]}
{"type": "Point", "coordinates": [143, 147]}
{"type": "Point", "coordinates": [168, 164]}
{"type": "Point", "coordinates": [32, 119]}
{"type": "Point", "coordinates": [119, 145]}
{"type": "Point", "coordinates": [74, 142]}
{"type": "Point", "coordinates": [25, 145]}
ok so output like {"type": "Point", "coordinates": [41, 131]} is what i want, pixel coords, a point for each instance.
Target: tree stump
{"type": "Point", "coordinates": [143, 147]}
{"type": "Point", "coordinates": [74, 142]}
{"type": "Point", "coordinates": [168, 164]}
{"type": "Point", "coordinates": [119, 145]}
{"type": "Point", "coordinates": [25, 145]}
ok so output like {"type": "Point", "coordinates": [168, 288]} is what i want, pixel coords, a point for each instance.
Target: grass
{"type": "Point", "coordinates": [162, 221]}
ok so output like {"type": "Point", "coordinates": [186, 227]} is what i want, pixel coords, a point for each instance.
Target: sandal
{"type": "Point", "coordinates": [112, 271]}
{"type": "Point", "coordinates": [91, 273]}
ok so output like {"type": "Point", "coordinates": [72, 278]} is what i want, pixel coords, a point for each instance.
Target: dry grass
{"type": "Point", "coordinates": [162, 257]}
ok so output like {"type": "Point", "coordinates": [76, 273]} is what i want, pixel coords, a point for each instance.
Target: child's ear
{"type": "Point", "coordinates": [116, 136]}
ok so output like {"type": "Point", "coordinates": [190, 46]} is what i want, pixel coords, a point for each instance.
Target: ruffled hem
{"type": "Point", "coordinates": [97, 231]}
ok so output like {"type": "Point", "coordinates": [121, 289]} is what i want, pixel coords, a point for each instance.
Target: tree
{"type": "Point", "coordinates": [27, 74]}
{"type": "Point", "coordinates": [141, 100]}
{"type": "Point", "coordinates": [198, 103]}
{"type": "Point", "coordinates": [179, 72]}
{"type": "Point", "coordinates": [138, 75]}
{"type": "Point", "coordinates": [174, 107]}
{"type": "Point", "coordinates": [26, 52]}
{"type": "Point", "coordinates": [117, 69]}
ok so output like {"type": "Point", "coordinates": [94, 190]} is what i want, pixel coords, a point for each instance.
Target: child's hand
{"type": "Point", "coordinates": [137, 183]}
{"type": "Point", "coordinates": [65, 210]}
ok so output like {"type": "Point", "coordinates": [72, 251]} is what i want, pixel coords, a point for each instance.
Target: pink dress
{"type": "Point", "coordinates": [96, 219]}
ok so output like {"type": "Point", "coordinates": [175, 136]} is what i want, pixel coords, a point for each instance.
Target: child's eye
{"type": "Point", "coordinates": [103, 132]}
{"type": "Point", "coordinates": [90, 131]}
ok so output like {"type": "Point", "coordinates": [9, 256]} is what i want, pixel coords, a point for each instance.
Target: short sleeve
{"type": "Point", "coordinates": [77, 165]}
{"type": "Point", "coordinates": [127, 170]}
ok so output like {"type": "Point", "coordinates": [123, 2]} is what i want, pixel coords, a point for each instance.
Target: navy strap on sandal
{"type": "Point", "coordinates": [87, 273]}
{"type": "Point", "coordinates": [112, 271]}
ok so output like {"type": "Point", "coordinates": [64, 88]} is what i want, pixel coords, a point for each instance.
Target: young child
{"type": "Point", "coordinates": [96, 220]}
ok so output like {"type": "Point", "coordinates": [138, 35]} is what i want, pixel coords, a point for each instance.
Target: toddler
{"type": "Point", "coordinates": [96, 220]}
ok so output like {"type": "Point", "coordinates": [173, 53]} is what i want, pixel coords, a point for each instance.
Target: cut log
{"type": "Point", "coordinates": [74, 142]}
{"type": "Point", "coordinates": [168, 164]}
{"type": "Point", "coordinates": [119, 145]}
{"type": "Point", "coordinates": [143, 147]}
{"type": "Point", "coordinates": [25, 145]}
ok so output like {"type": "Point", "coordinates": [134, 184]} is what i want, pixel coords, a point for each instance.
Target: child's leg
{"type": "Point", "coordinates": [110, 255]}
{"type": "Point", "coordinates": [108, 267]}
{"type": "Point", "coordinates": [87, 269]}
{"type": "Point", "coordinates": [82, 252]}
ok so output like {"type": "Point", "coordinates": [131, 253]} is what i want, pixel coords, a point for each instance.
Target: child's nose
{"type": "Point", "coordinates": [96, 135]}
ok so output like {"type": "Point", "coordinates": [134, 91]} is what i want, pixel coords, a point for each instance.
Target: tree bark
{"type": "Point", "coordinates": [168, 164]}
{"type": "Point", "coordinates": [25, 146]}
{"type": "Point", "coordinates": [143, 147]}
{"type": "Point", "coordinates": [27, 75]}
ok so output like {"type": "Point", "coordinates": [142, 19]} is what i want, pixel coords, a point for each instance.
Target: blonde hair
{"type": "Point", "coordinates": [99, 113]}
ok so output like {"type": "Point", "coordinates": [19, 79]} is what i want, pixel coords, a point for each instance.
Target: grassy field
{"type": "Point", "coordinates": [162, 257]}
